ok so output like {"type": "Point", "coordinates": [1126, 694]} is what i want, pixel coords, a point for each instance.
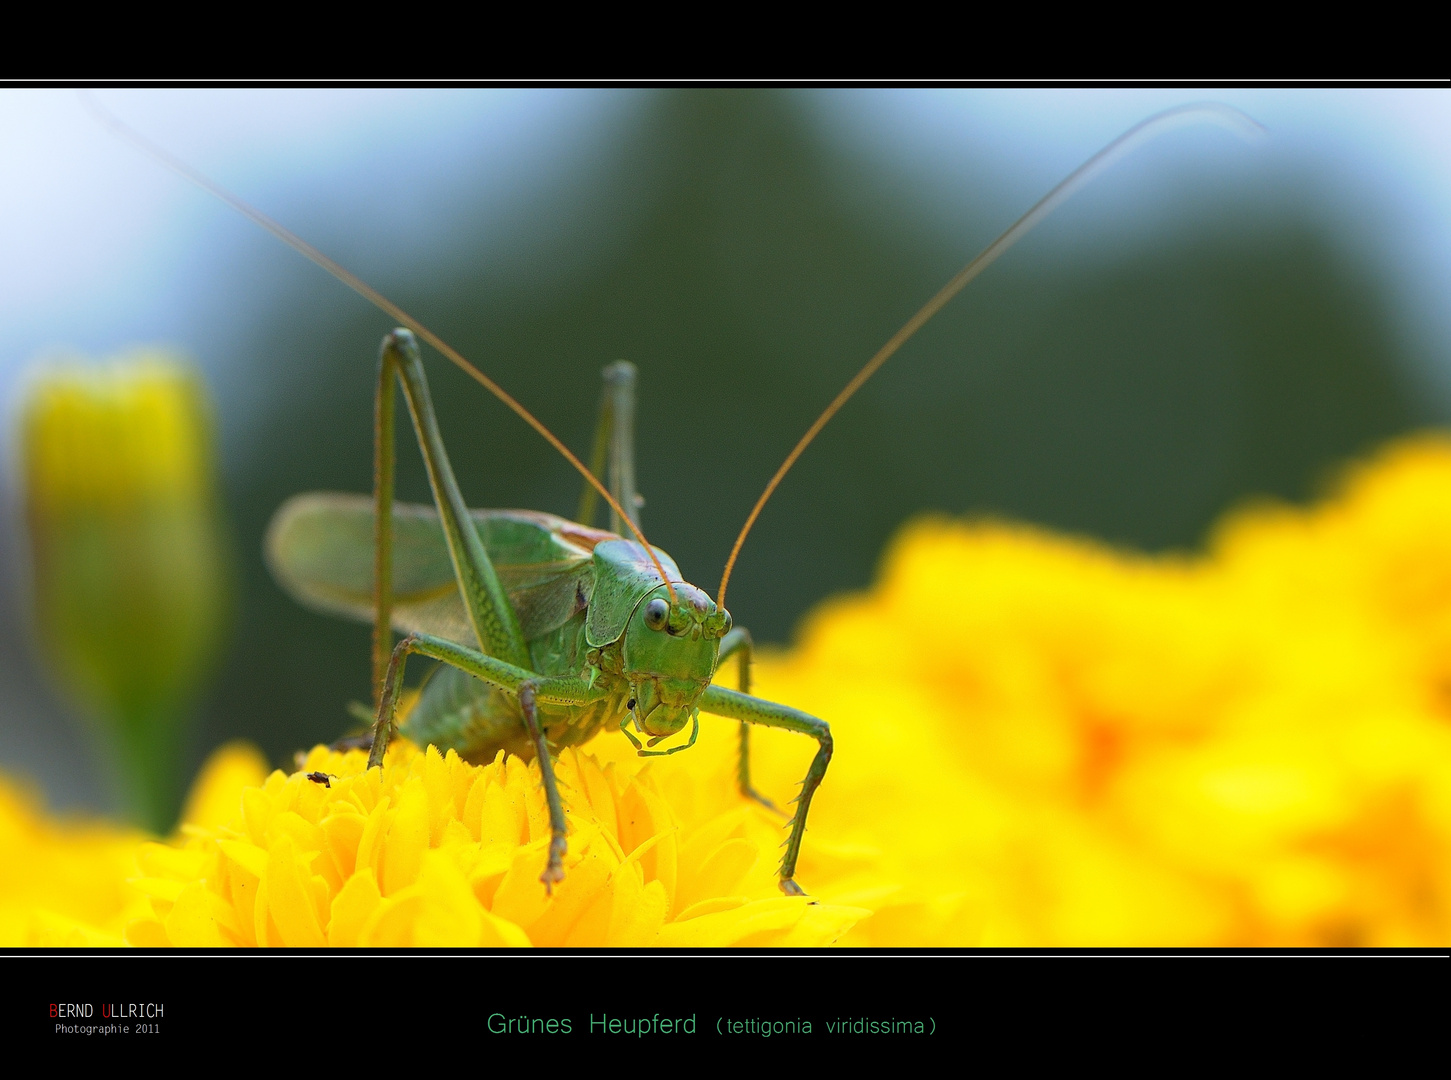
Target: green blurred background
{"type": "Point", "coordinates": [1233, 342]}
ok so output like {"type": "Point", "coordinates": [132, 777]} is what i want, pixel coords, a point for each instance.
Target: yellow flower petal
{"type": "Point", "coordinates": [201, 919]}
{"type": "Point", "coordinates": [217, 790]}
{"type": "Point", "coordinates": [352, 908]}
{"type": "Point", "coordinates": [294, 896]}
{"type": "Point", "coordinates": [784, 921]}
{"type": "Point", "coordinates": [48, 930]}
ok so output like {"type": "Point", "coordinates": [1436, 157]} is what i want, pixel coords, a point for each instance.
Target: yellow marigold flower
{"type": "Point", "coordinates": [1089, 747]}
{"type": "Point", "coordinates": [433, 851]}
{"type": "Point", "coordinates": [73, 881]}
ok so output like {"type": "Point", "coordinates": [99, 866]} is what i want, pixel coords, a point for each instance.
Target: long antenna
{"type": "Point", "coordinates": [373, 296]}
{"type": "Point", "coordinates": [1130, 140]}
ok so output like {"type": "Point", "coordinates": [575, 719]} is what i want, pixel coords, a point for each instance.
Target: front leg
{"type": "Point", "coordinates": [554, 869]}
{"type": "Point", "coordinates": [753, 710]}
{"type": "Point", "coordinates": [529, 688]}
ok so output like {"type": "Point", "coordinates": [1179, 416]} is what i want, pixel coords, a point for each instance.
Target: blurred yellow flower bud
{"type": "Point", "coordinates": [129, 560]}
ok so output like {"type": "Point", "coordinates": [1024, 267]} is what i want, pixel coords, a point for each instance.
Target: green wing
{"type": "Point", "coordinates": [320, 549]}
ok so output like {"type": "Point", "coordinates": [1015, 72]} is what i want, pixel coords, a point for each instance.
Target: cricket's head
{"type": "Point", "coordinates": [670, 652]}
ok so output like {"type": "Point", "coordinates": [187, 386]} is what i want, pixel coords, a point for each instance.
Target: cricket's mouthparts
{"type": "Point", "coordinates": [663, 706]}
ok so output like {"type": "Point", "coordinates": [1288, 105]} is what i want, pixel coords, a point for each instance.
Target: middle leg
{"type": "Point", "coordinates": [753, 710]}
{"type": "Point", "coordinates": [614, 448]}
{"type": "Point", "coordinates": [737, 643]}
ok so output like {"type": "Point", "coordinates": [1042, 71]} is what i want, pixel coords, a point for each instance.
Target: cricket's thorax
{"type": "Point", "coordinates": [648, 656]}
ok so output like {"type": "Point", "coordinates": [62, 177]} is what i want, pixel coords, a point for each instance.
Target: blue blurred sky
{"type": "Point", "coordinates": [105, 249]}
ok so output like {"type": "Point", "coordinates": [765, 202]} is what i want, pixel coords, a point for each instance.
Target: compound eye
{"type": "Point", "coordinates": [726, 622]}
{"type": "Point", "coordinates": [657, 613]}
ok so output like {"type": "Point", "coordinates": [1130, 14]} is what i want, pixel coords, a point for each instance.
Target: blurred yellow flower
{"type": "Point", "coordinates": [63, 882]}
{"type": "Point", "coordinates": [1088, 747]}
{"type": "Point", "coordinates": [72, 880]}
{"type": "Point", "coordinates": [128, 556]}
